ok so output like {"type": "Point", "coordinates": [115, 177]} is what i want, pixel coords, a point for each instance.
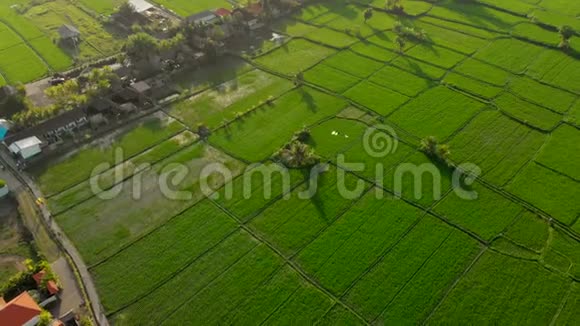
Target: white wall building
{"type": "Point", "coordinates": [27, 147]}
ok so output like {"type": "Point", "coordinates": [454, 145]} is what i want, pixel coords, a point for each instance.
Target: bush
{"type": "Point", "coordinates": [2, 183]}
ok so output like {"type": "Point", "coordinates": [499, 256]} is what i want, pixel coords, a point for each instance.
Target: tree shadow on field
{"type": "Point", "coordinates": [308, 99]}
{"type": "Point", "coordinates": [476, 14]}
{"type": "Point", "coordinates": [315, 198]}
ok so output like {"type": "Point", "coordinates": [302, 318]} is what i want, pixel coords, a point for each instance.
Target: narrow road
{"type": "Point", "coordinates": [20, 181]}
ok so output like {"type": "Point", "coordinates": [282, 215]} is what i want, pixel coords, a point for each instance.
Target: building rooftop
{"type": "Point", "coordinates": [68, 31]}
{"type": "Point", "coordinates": [19, 311]}
{"type": "Point", "coordinates": [141, 5]}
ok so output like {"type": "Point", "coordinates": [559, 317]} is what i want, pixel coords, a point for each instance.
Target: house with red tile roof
{"type": "Point", "coordinates": [51, 286]}
{"type": "Point", "coordinates": [22, 310]}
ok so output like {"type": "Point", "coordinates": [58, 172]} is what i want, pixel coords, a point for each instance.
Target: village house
{"type": "Point", "coordinates": [69, 33]}
{"type": "Point", "coordinates": [205, 17]}
{"type": "Point", "coordinates": [22, 310]}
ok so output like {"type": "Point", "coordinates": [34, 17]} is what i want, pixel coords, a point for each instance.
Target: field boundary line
{"type": "Point", "coordinates": [211, 282]}
{"type": "Point", "coordinates": [296, 267]}
{"type": "Point", "coordinates": [282, 304]}
{"type": "Point", "coordinates": [562, 304]}
{"type": "Point", "coordinates": [325, 314]}
{"type": "Point", "coordinates": [454, 284]}
{"type": "Point", "coordinates": [181, 270]}
{"type": "Point", "coordinates": [557, 172]}
{"type": "Point", "coordinates": [410, 279]}
{"type": "Point", "coordinates": [130, 125]}
{"type": "Point", "coordinates": [353, 203]}
{"type": "Point", "coordinates": [136, 172]}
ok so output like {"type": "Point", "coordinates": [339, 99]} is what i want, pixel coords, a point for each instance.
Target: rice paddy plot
{"type": "Point", "coordinates": [228, 100]}
{"type": "Point", "coordinates": [351, 19]}
{"type": "Point", "coordinates": [499, 146]}
{"type": "Point", "coordinates": [475, 15]}
{"type": "Point", "coordinates": [375, 97]}
{"type": "Point", "coordinates": [353, 64]}
{"type": "Point", "coordinates": [564, 253]}
{"type": "Point", "coordinates": [343, 252]}
{"type": "Point", "coordinates": [259, 186]}
{"type": "Point", "coordinates": [562, 7]}
{"type": "Point", "coordinates": [259, 134]}
{"type": "Point", "coordinates": [96, 41]}
{"type": "Point", "coordinates": [536, 33]}
{"type": "Point", "coordinates": [426, 260]}
{"type": "Point", "coordinates": [19, 64]}
{"type": "Point", "coordinates": [451, 39]}
{"type": "Point", "coordinates": [419, 68]}
{"type": "Point", "coordinates": [184, 8]}
{"type": "Point", "coordinates": [573, 115]}
{"type": "Point", "coordinates": [555, 19]}
{"type": "Point", "coordinates": [334, 136]}
{"type": "Point", "coordinates": [317, 9]}
{"type": "Point", "coordinates": [483, 72]}
{"type": "Point", "coordinates": [458, 27]}
{"type": "Point", "coordinates": [116, 174]}
{"type": "Point", "coordinates": [294, 57]}
{"type": "Point", "coordinates": [373, 51]}
{"type": "Point", "coordinates": [501, 289]}
{"type": "Point", "coordinates": [438, 112]}
{"type": "Point", "coordinates": [102, 225]}
{"type": "Point", "coordinates": [545, 95]}
{"type": "Point", "coordinates": [401, 81]}
{"type": "Point", "coordinates": [472, 86]}
{"type": "Point", "coordinates": [331, 37]}
{"type": "Point", "coordinates": [9, 38]}
{"type": "Point", "coordinates": [330, 78]}
{"type": "Point", "coordinates": [79, 165]}
{"type": "Point", "coordinates": [480, 210]}
{"type": "Point", "coordinates": [305, 217]}
{"type": "Point", "coordinates": [527, 112]}
{"type": "Point", "coordinates": [56, 58]}
{"type": "Point", "coordinates": [160, 254]}
{"type": "Point", "coordinates": [102, 7]}
{"type": "Point", "coordinates": [562, 151]}
{"type": "Point", "coordinates": [570, 315]}
{"type": "Point", "coordinates": [435, 55]}
{"type": "Point", "coordinates": [510, 54]}
{"type": "Point", "coordinates": [516, 6]}
{"type": "Point", "coordinates": [387, 40]}
{"type": "Point", "coordinates": [539, 186]}
{"type": "Point", "coordinates": [529, 231]}
{"type": "Point", "coordinates": [556, 68]}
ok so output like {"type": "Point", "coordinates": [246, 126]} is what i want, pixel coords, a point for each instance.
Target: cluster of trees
{"type": "Point", "coordinates": [407, 33]}
{"type": "Point", "coordinates": [23, 281]}
{"type": "Point", "coordinates": [69, 95]}
{"type": "Point", "coordinates": [437, 152]}
{"type": "Point", "coordinates": [566, 33]}
{"type": "Point", "coordinates": [297, 153]}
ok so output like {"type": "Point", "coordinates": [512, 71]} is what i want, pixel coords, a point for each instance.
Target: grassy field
{"type": "Point", "coordinates": [384, 221]}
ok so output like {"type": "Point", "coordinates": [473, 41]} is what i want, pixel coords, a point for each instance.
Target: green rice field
{"type": "Point", "coordinates": [385, 230]}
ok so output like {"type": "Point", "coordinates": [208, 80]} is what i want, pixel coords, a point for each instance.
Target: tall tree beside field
{"type": "Point", "coordinates": [394, 5]}
{"type": "Point", "coordinates": [439, 152]}
{"type": "Point", "coordinates": [368, 14]}
{"type": "Point", "coordinates": [126, 9]}
{"type": "Point", "coordinates": [400, 42]}
{"type": "Point", "coordinates": [142, 48]}
{"type": "Point", "coordinates": [66, 95]}
{"type": "Point", "coordinates": [566, 33]}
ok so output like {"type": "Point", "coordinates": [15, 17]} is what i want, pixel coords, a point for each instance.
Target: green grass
{"type": "Point", "coordinates": [127, 169]}
{"type": "Point", "coordinates": [529, 231]}
{"type": "Point", "coordinates": [375, 97]}
{"type": "Point", "coordinates": [294, 57]}
{"type": "Point", "coordinates": [536, 33]}
{"type": "Point", "coordinates": [555, 19]}
{"type": "Point", "coordinates": [335, 136]}
{"type": "Point", "coordinates": [574, 115]}
{"type": "Point", "coordinates": [499, 146]}
{"type": "Point", "coordinates": [437, 112]}
{"type": "Point", "coordinates": [527, 112]}
{"type": "Point", "coordinates": [428, 258]}
{"type": "Point", "coordinates": [20, 64]}
{"type": "Point", "coordinates": [510, 54]}
{"type": "Point", "coordinates": [306, 217]}
{"type": "Point", "coordinates": [538, 185]}
{"type": "Point", "coordinates": [556, 68]}
{"type": "Point", "coordinates": [222, 103]}
{"type": "Point", "coordinates": [483, 72]}
{"type": "Point", "coordinates": [251, 137]}
{"type": "Point", "coordinates": [102, 7]}
{"type": "Point", "coordinates": [185, 8]}
{"type": "Point", "coordinates": [451, 39]}
{"type": "Point", "coordinates": [556, 154]}
{"type": "Point", "coordinates": [330, 78]}
{"type": "Point", "coordinates": [351, 17]}
{"type": "Point", "coordinates": [349, 247]}
{"type": "Point", "coordinates": [435, 55]}
{"type": "Point", "coordinates": [501, 289]}
{"type": "Point", "coordinates": [373, 51]}
{"type": "Point", "coordinates": [484, 211]}
{"type": "Point", "coordinates": [400, 81]}
{"type": "Point", "coordinates": [421, 69]}
{"type": "Point", "coordinates": [563, 253]}
{"type": "Point", "coordinates": [472, 86]}
{"type": "Point", "coordinates": [197, 229]}
{"type": "Point", "coordinates": [550, 97]}
{"type": "Point", "coordinates": [517, 6]}
{"type": "Point", "coordinates": [353, 64]}
{"type": "Point", "coordinates": [80, 165]}
{"type": "Point", "coordinates": [570, 314]}
{"type": "Point", "coordinates": [131, 213]}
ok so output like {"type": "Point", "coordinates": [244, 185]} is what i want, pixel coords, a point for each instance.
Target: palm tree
{"type": "Point", "coordinates": [400, 41]}
{"type": "Point", "coordinates": [566, 32]}
{"type": "Point", "coordinates": [297, 155]}
{"type": "Point", "coordinates": [368, 14]}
